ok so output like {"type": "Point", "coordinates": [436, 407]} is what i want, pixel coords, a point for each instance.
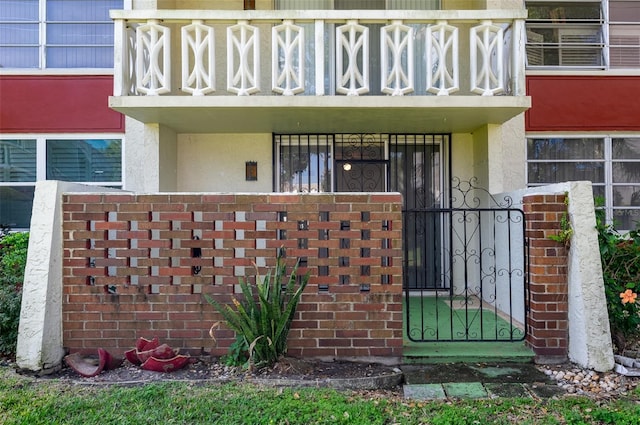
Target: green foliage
{"type": "Point", "coordinates": [238, 353]}
{"type": "Point", "coordinates": [566, 231]}
{"type": "Point", "coordinates": [262, 318]}
{"type": "Point", "coordinates": [13, 258]}
{"type": "Point", "coordinates": [620, 255]}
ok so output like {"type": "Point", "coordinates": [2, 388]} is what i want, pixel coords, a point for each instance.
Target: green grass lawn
{"type": "Point", "coordinates": [28, 401]}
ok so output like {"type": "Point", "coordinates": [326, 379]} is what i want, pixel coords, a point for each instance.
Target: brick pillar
{"type": "Point", "coordinates": [547, 317]}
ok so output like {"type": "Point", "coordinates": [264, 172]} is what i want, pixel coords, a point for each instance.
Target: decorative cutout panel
{"type": "Point", "coordinates": [153, 59]}
{"type": "Point", "coordinates": [443, 68]}
{"type": "Point", "coordinates": [352, 46]}
{"type": "Point", "coordinates": [198, 59]}
{"type": "Point", "coordinates": [243, 59]}
{"type": "Point", "coordinates": [487, 65]}
{"type": "Point", "coordinates": [396, 54]}
{"type": "Point", "coordinates": [287, 59]}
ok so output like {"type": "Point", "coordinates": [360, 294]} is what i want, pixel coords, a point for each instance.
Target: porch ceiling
{"type": "Point", "coordinates": [310, 114]}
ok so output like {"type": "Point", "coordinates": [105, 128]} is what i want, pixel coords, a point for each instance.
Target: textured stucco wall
{"type": "Point", "coordinates": [40, 331]}
{"type": "Point", "coordinates": [216, 162]}
{"type": "Point", "coordinates": [589, 334]}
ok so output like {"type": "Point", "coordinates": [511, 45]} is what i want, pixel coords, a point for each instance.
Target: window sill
{"type": "Point", "coordinates": [56, 71]}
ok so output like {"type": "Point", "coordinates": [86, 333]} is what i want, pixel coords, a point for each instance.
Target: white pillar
{"type": "Point", "coordinates": [590, 343]}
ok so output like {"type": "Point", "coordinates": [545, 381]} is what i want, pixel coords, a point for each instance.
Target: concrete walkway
{"type": "Point", "coordinates": [454, 381]}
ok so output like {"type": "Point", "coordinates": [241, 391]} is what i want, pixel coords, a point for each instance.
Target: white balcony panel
{"type": "Point", "coordinates": [442, 71]}
{"type": "Point", "coordinates": [153, 59]}
{"type": "Point", "coordinates": [243, 59]}
{"type": "Point", "coordinates": [352, 44]}
{"type": "Point", "coordinates": [287, 58]}
{"type": "Point", "coordinates": [198, 59]}
{"type": "Point", "coordinates": [487, 64]}
{"type": "Point", "coordinates": [397, 58]}
{"type": "Point", "coordinates": [443, 65]}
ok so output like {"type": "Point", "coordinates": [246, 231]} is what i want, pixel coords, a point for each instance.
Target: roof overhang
{"type": "Point", "coordinates": [321, 114]}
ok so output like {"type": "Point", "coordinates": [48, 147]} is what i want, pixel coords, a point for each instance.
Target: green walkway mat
{"type": "Point", "coordinates": [457, 319]}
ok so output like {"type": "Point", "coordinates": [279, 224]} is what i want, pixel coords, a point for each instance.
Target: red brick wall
{"type": "Point", "coordinates": [547, 321]}
{"type": "Point", "coordinates": [129, 269]}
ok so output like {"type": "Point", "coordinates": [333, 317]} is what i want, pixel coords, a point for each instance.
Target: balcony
{"type": "Point", "coordinates": [319, 71]}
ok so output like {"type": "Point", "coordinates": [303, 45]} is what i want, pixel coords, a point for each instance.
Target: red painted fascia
{"type": "Point", "coordinates": [583, 103]}
{"type": "Point", "coordinates": [58, 104]}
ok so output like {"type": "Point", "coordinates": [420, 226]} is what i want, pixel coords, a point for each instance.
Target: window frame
{"type": "Point", "coordinates": [608, 161]}
{"type": "Point", "coordinates": [42, 68]}
{"type": "Point", "coordinates": [41, 156]}
{"type": "Point", "coordinates": [605, 47]}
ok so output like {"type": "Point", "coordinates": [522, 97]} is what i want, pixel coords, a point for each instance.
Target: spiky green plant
{"type": "Point", "coordinates": [263, 316]}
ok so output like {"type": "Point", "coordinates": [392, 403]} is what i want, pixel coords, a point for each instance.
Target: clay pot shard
{"type": "Point", "coordinates": [143, 344]}
{"type": "Point", "coordinates": [90, 366]}
{"type": "Point", "coordinates": [161, 352]}
{"type": "Point", "coordinates": [165, 365]}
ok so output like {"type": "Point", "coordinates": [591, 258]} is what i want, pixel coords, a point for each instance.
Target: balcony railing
{"type": "Point", "coordinates": [319, 53]}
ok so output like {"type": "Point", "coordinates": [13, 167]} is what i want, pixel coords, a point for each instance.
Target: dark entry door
{"type": "Point", "coordinates": [416, 165]}
{"type": "Point", "coordinates": [411, 165]}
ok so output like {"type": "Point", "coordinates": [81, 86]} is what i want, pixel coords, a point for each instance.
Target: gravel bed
{"type": "Point", "coordinates": [579, 381]}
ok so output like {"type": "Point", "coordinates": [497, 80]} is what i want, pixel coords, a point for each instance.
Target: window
{"type": "Point", "coordinates": [305, 163]}
{"type": "Point", "coordinates": [361, 162]}
{"type": "Point", "coordinates": [583, 34]}
{"type": "Point", "coordinates": [612, 164]}
{"type": "Point", "coordinates": [23, 162]}
{"type": "Point", "coordinates": [624, 34]}
{"type": "Point", "coordinates": [57, 33]}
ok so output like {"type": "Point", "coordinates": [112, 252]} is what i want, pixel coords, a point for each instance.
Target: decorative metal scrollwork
{"type": "Point", "coordinates": [469, 265]}
{"type": "Point", "coordinates": [467, 194]}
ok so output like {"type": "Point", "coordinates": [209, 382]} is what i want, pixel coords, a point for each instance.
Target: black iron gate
{"type": "Point", "coordinates": [465, 270]}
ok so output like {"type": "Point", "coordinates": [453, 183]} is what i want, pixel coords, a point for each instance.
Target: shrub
{"type": "Point", "coordinates": [13, 258]}
{"type": "Point", "coordinates": [620, 256]}
{"type": "Point", "coordinates": [262, 319]}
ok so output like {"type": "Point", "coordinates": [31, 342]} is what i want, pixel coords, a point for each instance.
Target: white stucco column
{"type": "Point", "coordinates": [39, 347]}
{"type": "Point", "coordinates": [150, 158]}
{"type": "Point", "coordinates": [590, 342]}
{"type": "Point", "coordinates": [167, 159]}
{"type": "Point", "coordinates": [502, 160]}
{"type": "Point", "coordinates": [40, 331]}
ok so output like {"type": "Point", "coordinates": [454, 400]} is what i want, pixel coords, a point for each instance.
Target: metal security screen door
{"type": "Point", "coordinates": [480, 286]}
{"type": "Point", "coordinates": [415, 165]}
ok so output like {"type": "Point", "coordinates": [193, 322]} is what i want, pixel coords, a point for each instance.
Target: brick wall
{"type": "Point", "coordinates": [547, 321]}
{"type": "Point", "coordinates": [139, 265]}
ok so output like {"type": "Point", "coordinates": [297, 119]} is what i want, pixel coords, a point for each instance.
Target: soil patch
{"type": "Point", "coordinates": [287, 371]}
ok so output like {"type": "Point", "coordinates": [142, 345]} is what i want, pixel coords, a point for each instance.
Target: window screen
{"type": "Point", "coordinates": [17, 176]}
{"type": "Point", "coordinates": [56, 33]}
{"type": "Point", "coordinates": [84, 160]}
{"type": "Point", "coordinates": [19, 34]}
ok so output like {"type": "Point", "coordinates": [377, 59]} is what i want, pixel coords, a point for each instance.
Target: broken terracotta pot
{"type": "Point", "coordinates": [165, 365]}
{"type": "Point", "coordinates": [151, 355]}
{"type": "Point", "coordinates": [142, 345]}
{"type": "Point", "coordinates": [88, 365]}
